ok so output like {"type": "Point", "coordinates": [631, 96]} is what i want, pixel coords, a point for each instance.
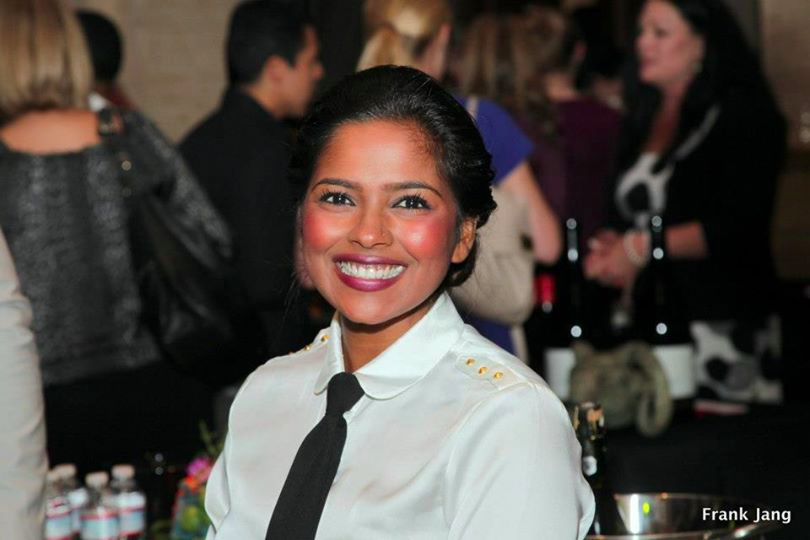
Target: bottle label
{"type": "Point", "coordinates": [78, 500]}
{"type": "Point", "coordinates": [558, 365]}
{"type": "Point", "coordinates": [131, 513]}
{"type": "Point", "coordinates": [680, 367]}
{"type": "Point", "coordinates": [58, 525]}
{"type": "Point", "coordinates": [99, 524]}
{"type": "Point", "coordinates": [132, 521]}
{"type": "Point", "coordinates": [589, 465]}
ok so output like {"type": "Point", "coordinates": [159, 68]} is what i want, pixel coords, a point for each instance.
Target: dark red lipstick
{"type": "Point", "coordinates": [362, 283]}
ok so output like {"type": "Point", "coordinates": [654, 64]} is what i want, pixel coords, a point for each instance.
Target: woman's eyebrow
{"type": "Point", "coordinates": [413, 184]}
{"type": "Point", "coordinates": [393, 186]}
{"type": "Point", "coordinates": [339, 182]}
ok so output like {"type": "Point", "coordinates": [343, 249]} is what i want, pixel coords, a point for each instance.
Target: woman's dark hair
{"type": "Point", "coordinates": [406, 95]}
{"type": "Point", "coordinates": [729, 65]}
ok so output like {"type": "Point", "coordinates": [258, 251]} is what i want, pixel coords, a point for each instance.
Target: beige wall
{"type": "Point", "coordinates": [174, 61]}
{"type": "Point", "coordinates": [786, 55]}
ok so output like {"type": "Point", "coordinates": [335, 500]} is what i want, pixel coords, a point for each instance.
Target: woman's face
{"type": "Point", "coordinates": [668, 50]}
{"type": "Point", "coordinates": [379, 226]}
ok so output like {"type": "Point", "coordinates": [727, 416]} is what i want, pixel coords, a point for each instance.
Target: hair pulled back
{"type": "Point", "coordinates": [506, 57]}
{"type": "Point", "coordinates": [399, 31]}
{"type": "Point", "coordinates": [407, 96]}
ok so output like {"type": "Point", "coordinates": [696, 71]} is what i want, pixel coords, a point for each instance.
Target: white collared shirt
{"type": "Point", "coordinates": [454, 438]}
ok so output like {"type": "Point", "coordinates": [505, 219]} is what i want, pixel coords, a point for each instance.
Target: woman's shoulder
{"type": "Point", "coordinates": [492, 112]}
{"type": "Point", "coordinates": [288, 369]}
{"type": "Point", "coordinates": [750, 111]}
{"type": "Point", "coordinates": [502, 135]}
{"type": "Point", "coordinates": [493, 369]}
{"type": "Point", "coordinates": [494, 385]}
{"type": "Point", "coordinates": [137, 123]}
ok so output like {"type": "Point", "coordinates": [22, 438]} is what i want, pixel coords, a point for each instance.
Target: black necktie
{"type": "Point", "coordinates": [303, 496]}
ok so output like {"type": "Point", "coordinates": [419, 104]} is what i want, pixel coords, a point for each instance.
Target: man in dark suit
{"type": "Point", "coordinates": [240, 153]}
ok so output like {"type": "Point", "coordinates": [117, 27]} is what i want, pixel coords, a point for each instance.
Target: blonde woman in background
{"type": "Point", "coordinates": [416, 33]}
{"type": "Point", "coordinates": [65, 219]}
{"type": "Point", "coordinates": [528, 63]}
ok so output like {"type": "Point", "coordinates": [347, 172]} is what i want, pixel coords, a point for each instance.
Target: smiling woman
{"type": "Point", "coordinates": [403, 410]}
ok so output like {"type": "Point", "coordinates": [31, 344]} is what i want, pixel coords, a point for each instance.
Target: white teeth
{"type": "Point", "coordinates": [370, 271]}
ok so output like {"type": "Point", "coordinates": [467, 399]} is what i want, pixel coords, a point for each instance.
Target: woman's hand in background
{"type": "Point", "coordinates": [607, 261]}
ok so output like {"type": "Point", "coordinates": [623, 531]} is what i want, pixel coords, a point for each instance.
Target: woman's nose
{"type": "Point", "coordinates": [371, 229]}
{"type": "Point", "coordinates": [643, 41]}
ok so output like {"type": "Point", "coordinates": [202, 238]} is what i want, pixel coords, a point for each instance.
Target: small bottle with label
{"type": "Point", "coordinates": [130, 502]}
{"type": "Point", "coordinates": [589, 425]}
{"type": "Point", "coordinates": [76, 494]}
{"type": "Point", "coordinates": [57, 510]}
{"type": "Point", "coordinates": [99, 518]}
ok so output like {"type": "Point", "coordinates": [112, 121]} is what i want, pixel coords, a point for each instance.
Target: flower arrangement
{"type": "Point", "coordinates": [189, 520]}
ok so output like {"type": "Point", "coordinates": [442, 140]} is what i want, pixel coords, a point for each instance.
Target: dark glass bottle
{"type": "Point", "coordinates": [576, 290]}
{"type": "Point", "coordinates": [561, 296]}
{"type": "Point", "coordinates": [662, 324]}
{"type": "Point", "coordinates": [589, 424]}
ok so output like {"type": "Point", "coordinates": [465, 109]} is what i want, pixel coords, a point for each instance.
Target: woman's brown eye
{"type": "Point", "coordinates": [412, 202]}
{"type": "Point", "coordinates": [337, 198]}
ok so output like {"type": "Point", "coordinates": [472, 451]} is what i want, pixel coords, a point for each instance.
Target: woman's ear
{"type": "Point", "coordinates": [465, 242]}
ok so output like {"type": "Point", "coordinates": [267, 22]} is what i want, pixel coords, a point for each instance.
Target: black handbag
{"type": "Point", "coordinates": [192, 300]}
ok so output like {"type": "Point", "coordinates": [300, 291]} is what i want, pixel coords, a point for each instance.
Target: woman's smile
{"type": "Point", "coordinates": [368, 273]}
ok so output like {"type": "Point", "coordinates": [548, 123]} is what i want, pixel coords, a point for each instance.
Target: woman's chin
{"type": "Point", "coordinates": [366, 317]}
{"type": "Point", "coordinates": [377, 316]}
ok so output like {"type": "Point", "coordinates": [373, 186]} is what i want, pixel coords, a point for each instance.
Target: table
{"type": "Point", "coordinates": [762, 456]}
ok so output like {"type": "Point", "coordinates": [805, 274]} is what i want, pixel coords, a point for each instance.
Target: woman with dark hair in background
{"type": "Point", "coordinates": [442, 429]}
{"type": "Point", "coordinates": [702, 146]}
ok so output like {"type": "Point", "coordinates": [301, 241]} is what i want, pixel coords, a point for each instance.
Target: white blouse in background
{"type": "Point", "coordinates": [454, 438]}
{"type": "Point", "coordinates": [23, 462]}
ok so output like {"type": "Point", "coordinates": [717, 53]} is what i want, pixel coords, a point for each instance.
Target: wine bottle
{"type": "Point", "coordinates": [562, 304]}
{"type": "Point", "coordinates": [589, 425]}
{"type": "Point", "coordinates": [664, 326]}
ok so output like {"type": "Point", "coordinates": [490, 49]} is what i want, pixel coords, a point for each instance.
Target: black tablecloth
{"type": "Point", "coordinates": [762, 456]}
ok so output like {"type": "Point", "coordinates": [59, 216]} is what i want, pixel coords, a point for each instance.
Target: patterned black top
{"type": "Point", "coordinates": [64, 217]}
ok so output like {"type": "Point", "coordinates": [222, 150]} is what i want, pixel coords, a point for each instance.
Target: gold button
{"type": "Point", "coordinates": [470, 361]}
{"type": "Point", "coordinates": [126, 165]}
{"type": "Point", "coordinates": [482, 370]}
{"type": "Point", "coordinates": [324, 338]}
{"type": "Point", "coordinates": [498, 375]}
{"type": "Point", "coordinates": [307, 347]}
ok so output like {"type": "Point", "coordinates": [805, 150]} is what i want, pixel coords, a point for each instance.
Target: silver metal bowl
{"type": "Point", "coordinates": [688, 516]}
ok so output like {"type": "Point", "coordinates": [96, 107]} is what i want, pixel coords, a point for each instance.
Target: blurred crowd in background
{"type": "Point", "coordinates": [591, 141]}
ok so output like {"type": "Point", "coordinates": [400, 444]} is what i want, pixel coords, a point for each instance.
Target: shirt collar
{"type": "Point", "coordinates": [238, 102]}
{"type": "Point", "coordinates": [404, 362]}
